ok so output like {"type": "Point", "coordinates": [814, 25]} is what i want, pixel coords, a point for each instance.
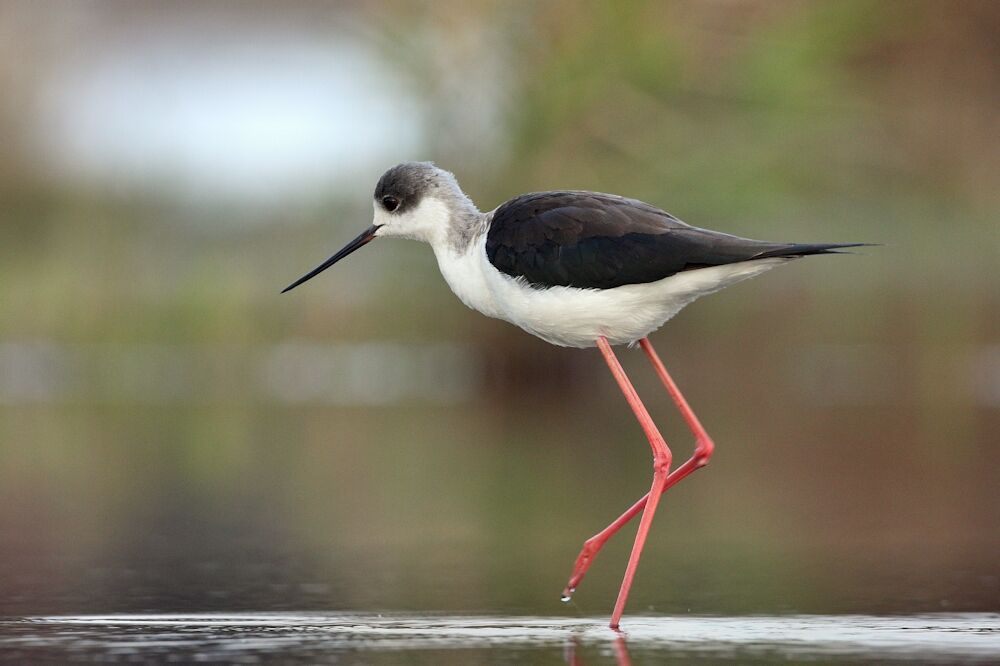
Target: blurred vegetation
{"type": "Point", "coordinates": [855, 399]}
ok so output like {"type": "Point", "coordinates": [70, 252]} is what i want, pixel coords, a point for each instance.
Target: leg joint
{"type": "Point", "coordinates": [704, 447]}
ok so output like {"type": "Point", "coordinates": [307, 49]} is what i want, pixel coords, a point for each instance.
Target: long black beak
{"type": "Point", "coordinates": [363, 239]}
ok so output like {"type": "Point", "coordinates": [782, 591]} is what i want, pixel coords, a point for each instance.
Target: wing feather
{"type": "Point", "coordinates": [601, 241]}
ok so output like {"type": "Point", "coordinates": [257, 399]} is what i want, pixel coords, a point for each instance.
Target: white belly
{"type": "Point", "coordinates": [571, 317]}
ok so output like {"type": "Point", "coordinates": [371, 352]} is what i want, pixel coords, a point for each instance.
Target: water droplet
{"type": "Point", "coordinates": [565, 598]}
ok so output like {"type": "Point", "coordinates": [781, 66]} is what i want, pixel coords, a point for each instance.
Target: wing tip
{"type": "Point", "coordinates": [806, 249]}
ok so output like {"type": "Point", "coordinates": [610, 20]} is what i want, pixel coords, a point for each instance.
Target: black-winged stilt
{"type": "Point", "coordinates": [577, 269]}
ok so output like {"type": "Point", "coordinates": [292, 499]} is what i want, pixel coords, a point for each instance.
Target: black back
{"type": "Point", "coordinates": [600, 241]}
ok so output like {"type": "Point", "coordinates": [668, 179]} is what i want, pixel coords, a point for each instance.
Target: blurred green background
{"type": "Point", "coordinates": [174, 435]}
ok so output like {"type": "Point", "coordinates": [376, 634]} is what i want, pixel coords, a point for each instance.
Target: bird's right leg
{"type": "Point", "coordinates": [661, 470]}
{"type": "Point", "coordinates": [702, 453]}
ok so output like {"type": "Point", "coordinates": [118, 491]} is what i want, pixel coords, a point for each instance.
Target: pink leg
{"type": "Point", "coordinates": [661, 469]}
{"type": "Point", "coordinates": [702, 453]}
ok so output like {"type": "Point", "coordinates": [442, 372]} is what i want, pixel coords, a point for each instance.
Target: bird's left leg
{"type": "Point", "coordinates": [661, 470]}
{"type": "Point", "coordinates": [702, 453]}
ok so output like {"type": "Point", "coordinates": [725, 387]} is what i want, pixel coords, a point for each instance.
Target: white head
{"type": "Point", "coordinates": [415, 200]}
{"type": "Point", "coordinates": [420, 201]}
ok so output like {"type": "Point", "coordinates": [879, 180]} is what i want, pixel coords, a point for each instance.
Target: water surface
{"type": "Point", "coordinates": [417, 638]}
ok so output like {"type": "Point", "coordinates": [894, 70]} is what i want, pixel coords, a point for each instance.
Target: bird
{"type": "Point", "coordinates": [577, 269]}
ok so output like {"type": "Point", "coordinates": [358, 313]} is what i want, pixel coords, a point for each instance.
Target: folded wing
{"type": "Point", "coordinates": [591, 240]}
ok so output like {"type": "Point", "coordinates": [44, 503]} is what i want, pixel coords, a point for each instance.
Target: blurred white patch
{"type": "Point", "coordinates": [985, 371]}
{"type": "Point", "coordinates": [346, 374]}
{"type": "Point", "coordinates": [247, 114]}
{"type": "Point", "coordinates": [370, 373]}
{"type": "Point", "coordinates": [848, 375]}
{"type": "Point", "coordinates": [35, 371]}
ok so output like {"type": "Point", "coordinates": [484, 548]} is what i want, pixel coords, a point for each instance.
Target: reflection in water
{"type": "Point", "coordinates": [619, 648]}
{"type": "Point", "coordinates": [973, 637]}
{"type": "Point", "coordinates": [621, 652]}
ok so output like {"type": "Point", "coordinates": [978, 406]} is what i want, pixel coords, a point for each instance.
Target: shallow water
{"type": "Point", "coordinates": [409, 638]}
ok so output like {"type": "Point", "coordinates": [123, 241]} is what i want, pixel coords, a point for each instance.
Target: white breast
{"type": "Point", "coordinates": [571, 317]}
{"type": "Point", "coordinates": [466, 276]}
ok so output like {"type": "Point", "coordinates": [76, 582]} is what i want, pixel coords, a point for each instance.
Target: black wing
{"type": "Point", "coordinates": [599, 241]}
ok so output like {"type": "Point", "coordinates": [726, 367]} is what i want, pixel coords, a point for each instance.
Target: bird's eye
{"type": "Point", "coordinates": [390, 203]}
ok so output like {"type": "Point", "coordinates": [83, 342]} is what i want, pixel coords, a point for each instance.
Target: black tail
{"type": "Point", "coordinates": [802, 249]}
